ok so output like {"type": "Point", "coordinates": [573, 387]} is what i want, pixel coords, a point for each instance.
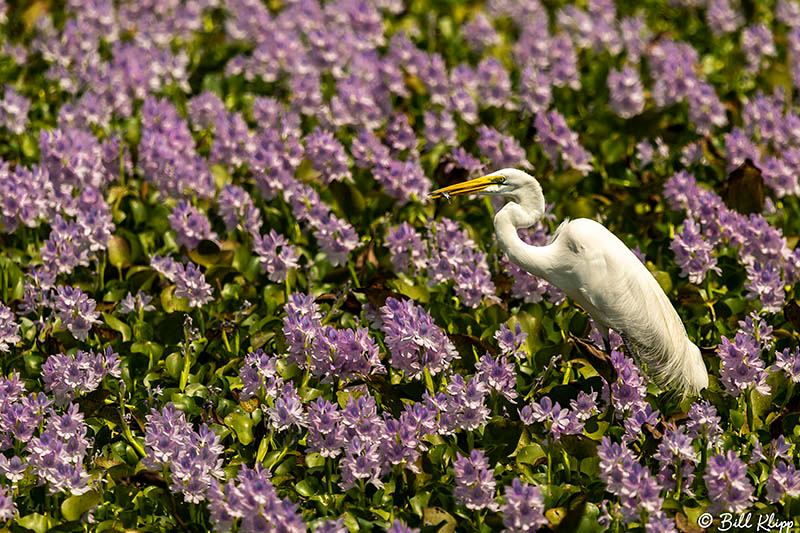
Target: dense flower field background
{"type": "Point", "coordinates": [227, 303]}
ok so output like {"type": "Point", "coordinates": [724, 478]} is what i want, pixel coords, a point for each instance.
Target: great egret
{"type": "Point", "coordinates": [594, 268]}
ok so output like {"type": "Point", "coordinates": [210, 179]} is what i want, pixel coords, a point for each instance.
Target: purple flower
{"type": "Point", "coordinates": [559, 421]}
{"type": "Point", "coordinates": [276, 263]}
{"type": "Point", "coordinates": [560, 143]}
{"type": "Point", "coordinates": [67, 376]}
{"type": "Point", "coordinates": [499, 376]}
{"type": "Point", "coordinates": [757, 42]}
{"type": "Point", "coordinates": [635, 35]}
{"type": "Point", "coordinates": [788, 361]}
{"type": "Point", "coordinates": [676, 456]}
{"type": "Point", "coordinates": [722, 17]}
{"type": "Point", "coordinates": [729, 487]}
{"type": "Point", "coordinates": [625, 477]}
{"type": "Point", "coordinates": [706, 111]}
{"type": "Point", "coordinates": [327, 156]}
{"type": "Point", "coordinates": [368, 151]}
{"type": "Point", "coordinates": [672, 66]}
{"type": "Point", "coordinates": [399, 527]}
{"type": "Point", "coordinates": [511, 342]}
{"type": "Point", "coordinates": [14, 111]}
{"type": "Point", "coordinates": [9, 329]}
{"type": "Point", "coordinates": [534, 90]}
{"type": "Point", "coordinates": [788, 12]}
{"type": "Point", "coordinates": [502, 150]}
{"type": "Point", "coordinates": [440, 127]}
{"type": "Point", "coordinates": [629, 389]}
{"type": "Point", "coordinates": [741, 365]}
{"type": "Point", "coordinates": [475, 484]}
{"type": "Point", "coordinates": [288, 410]}
{"type": "Point", "coordinates": [641, 414]}
{"type": "Point", "coordinates": [627, 92]}
{"type": "Point", "coordinates": [403, 180]}
{"type": "Point", "coordinates": [193, 457]}
{"type": "Point", "coordinates": [783, 479]}
{"type": "Point", "coordinates": [190, 283]}
{"type": "Point", "coordinates": [764, 283]}
{"type": "Point", "coordinates": [259, 372]}
{"type": "Point", "coordinates": [455, 256]}
{"type": "Point", "coordinates": [190, 224]}
{"type": "Point", "coordinates": [480, 34]}
{"type": "Point", "coordinates": [704, 423]}
{"type": "Point", "coordinates": [325, 433]}
{"type": "Point", "coordinates": [585, 405]}
{"type": "Point", "coordinates": [361, 461]}
{"type": "Point", "coordinates": [136, 304]}
{"type": "Point", "coordinates": [523, 508]}
{"type": "Point", "coordinates": [414, 340]}
{"type": "Point", "coordinates": [406, 248]}
{"type": "Point", "coordinates": [76, 310]}
{"type": "Point", "coordinates": [237, 210]}
{"type": "Point", "coordinates": [693, 253]}
{"type": "Point", "coordinates": [252, 501]}
{"type": "Point", "coordinates": [564, 63]}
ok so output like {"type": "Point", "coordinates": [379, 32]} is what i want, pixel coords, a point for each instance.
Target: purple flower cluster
{"type": "Point", "coordinates": [627, 92]}
{"type": "Point", "coordinates": [629, 388]}
{"type": "Point", "coordinates": [414, 341]}
{"type": "Point", "coordinates": [167, 154]}
{"type": "Point", "coordinates": [136, 304]}
{"type": "Point", "coordinates": [14, 111]}
{"type": "Point", "coordinates": [57, 454]}
{"type": "Point", "coordinates": [741, 366]}
{"type": "Point", "coordinates": [502, 151]}
{"type": "Point", "coordinates": [20, 415]}
{"type": "Point", "coordinates": [523, 509]}
{"type": "Point", "coordinates": [74, 243]}
{"type": "Point", "coordinates": [757, 43]}
{"type": "Point", "coordinates": [693, 253]}
{"type": "Point", "coordinates": [783, 479]}
{"type": "Point", "coordinates": [558, 420]}
{"type": "Point", "coordinates": [327, 156]}
{"type": "Point", "coordinates": [722, 17]}
{"type": "Point", "coordinates": [406, 248]}
{"type": "Point", "coordinates": [475, 484]}
{"type": "Point", "coordinates": [788, 360]}
{"type": "Point", "coordinates": [252, 502]}
{"type": "Point", "coordinates": [729, 487]}
{"type": "Point", "coordinates": [193, 457]}
{"type": "Point", "coordinates": [237, 210]}
{"type": "Point", "coordinates": [626, 478]}
{"type": "Point", "coordinates": [498, 375]}
{"type": "Point", "coordinates": [276, 263]}
{"type": "Point", "coordinates": [190, 283]}
{"type": "Point", "coordinates": [9, 329]}
{"type": "Point", "coordinates": [330, 352]}
{"type": "Point", "coordinates": [761, 247]}
{"type": "Point", "coordinates": [259, 372]}
{"type": "Point", "coordinates": [560, 143]}
{"type": "Point", "coordinates": [704, 424]}
{"type": "Point", "coordinates": [190, 225]}
{"type": "Point", "coordinates": [677, 458]}
{"type": "Point", "coordinates": [68, 376]}
{"type": "Point", "coordinates": [75, 309]}
{"type": "Point", "coordinates": [287, 410]}
{"type": "Point", "coordinates": [453, 255]}
{"type": "Point", "coordinates": [511, 343]}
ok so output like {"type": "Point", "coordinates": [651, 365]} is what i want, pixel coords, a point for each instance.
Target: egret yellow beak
{"type": "Point", "coordinates": [466, 187]}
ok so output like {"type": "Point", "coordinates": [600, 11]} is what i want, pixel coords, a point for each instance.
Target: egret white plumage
{"type": "Point", "coordinates": [597, 270]}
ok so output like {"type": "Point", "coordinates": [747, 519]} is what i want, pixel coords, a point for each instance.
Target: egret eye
{"type": "Point", "coordinates": [499, 180]}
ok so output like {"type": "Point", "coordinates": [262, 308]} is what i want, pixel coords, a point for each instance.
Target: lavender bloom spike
{"type": "Point", "coordinates": [9, 329]}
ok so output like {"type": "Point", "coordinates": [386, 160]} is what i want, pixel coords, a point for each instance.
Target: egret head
{"type": "Point", "coordinates": [508, 182]}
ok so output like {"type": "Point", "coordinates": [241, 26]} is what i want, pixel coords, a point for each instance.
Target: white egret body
{"type": "Point", "coordinates": [594, 268]}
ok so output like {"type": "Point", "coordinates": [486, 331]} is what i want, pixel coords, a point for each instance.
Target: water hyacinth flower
{"type": "Point", "coordinates": [406, 248]}
{"type": "Point", "coordinates": [193, 457]}
{"type": "Point", "coordinates": [190, 225]}
{"type": "Point", "coordinates": [788, 361]}
{"type": "Point", "coordinates": [288, 410]}
{"type": "Point", "coordinates": [722, 17]}
{"type": "Point", "coordinates": [783, 479]}
{"type": "Point", "coordinates": [627, 92]}
{"type": "Point", "coordinates": [475, 483]}
{"type": "Point", "coordinates": [237, 210]}
{"type": "Point", "coordinates": [693, 253]}
{"type": "Point", "coordinates": [677, 458]}
{"type": "Point", "coordinates": [729, 486]}
{"type": "Point", "coordinates": [511, 342]}
{"type": "Point", "coordinates": [757, 42]}
{"type": "Point", "coordinates": [259, 372]}
{"type": "Point", "coordinates": [252, 502]}
{"type": "Point", "coordinates": [8, 509]}
{"type": "Point", "coordinates": [625, 477]}
{"type": "Point", "coordinates": [414, 340]}
{"type": "Point", "coordinates": [136, 304]}
{"type": "Point", "coordinates": [560, 143]}
{"type": "Point", "coordinates": [190, 283]}
{"type": "Point", "coordinates": [558, 421]}
{"type": "Point", "coordinates": [523, 509]}
{"type": "Point", "coordinates": [741, 365]}
{"type": "Point", "coordinates": [76, 310]}
{"type": "Point", "coordinates": [14, 111]}
{"type": "Point", "coordinates": [498, 375]}
{"type": "Point", "coordinates": [67, 376]}
{"type": "Point", "coordinates": [9, 329]}
{"type": "Point", "coordinates": [276, 263]}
